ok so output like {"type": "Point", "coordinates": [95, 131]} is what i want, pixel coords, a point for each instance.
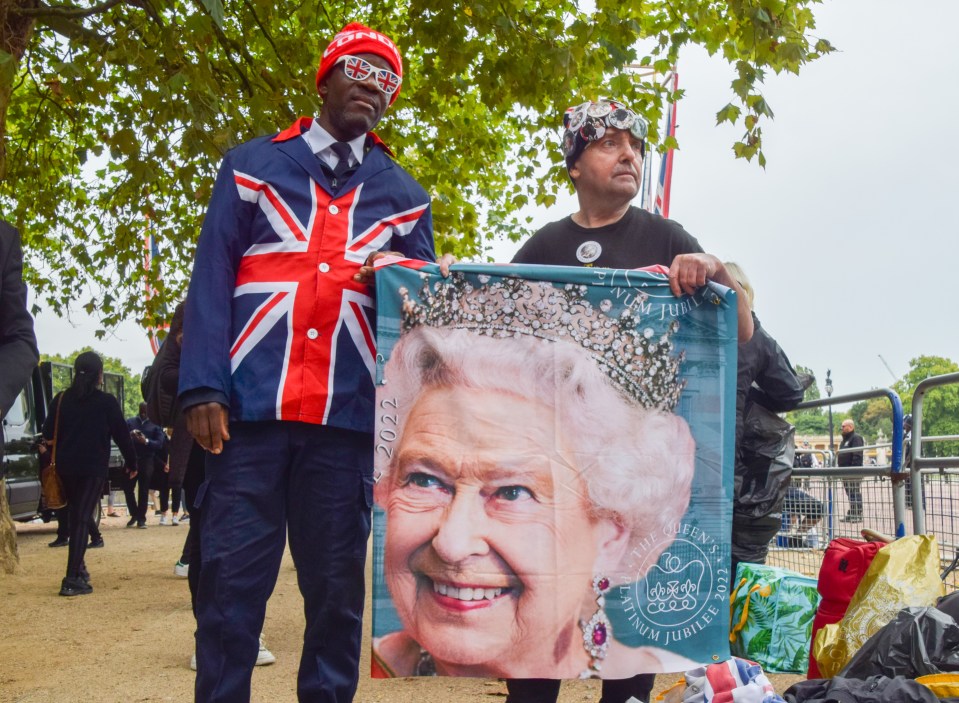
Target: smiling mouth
{"type": "Point", "coordinates": [468, 593]}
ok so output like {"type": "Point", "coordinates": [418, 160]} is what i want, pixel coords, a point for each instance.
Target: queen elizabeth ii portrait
{"type": "Point", "coordinates": [535, 447]}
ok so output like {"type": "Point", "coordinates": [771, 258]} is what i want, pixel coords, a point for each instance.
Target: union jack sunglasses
{"type": "Point", "coordinates": [359, 70]}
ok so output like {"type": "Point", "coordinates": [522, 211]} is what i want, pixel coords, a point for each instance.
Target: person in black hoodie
{"type": "Point", "coordinates": [80, 425]}
{"type": "Point", "coordinates": [149, 440]}
{"type": "Point", "coordinates": [766, 378]}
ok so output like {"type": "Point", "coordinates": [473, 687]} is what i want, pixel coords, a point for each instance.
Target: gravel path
{"type": "Point", "coordinates": [131, 640]}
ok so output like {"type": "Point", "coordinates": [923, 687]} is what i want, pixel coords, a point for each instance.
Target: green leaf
{"type": "Point", "coordinates": [730, 113]}
{"type": "Point", "coordinates": [215, 8]}
{"type": "Point", "coordinates": [142, 102]}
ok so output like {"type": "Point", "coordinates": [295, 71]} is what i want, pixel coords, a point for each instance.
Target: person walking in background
{"type": "Point", "coordinates": [82, 421]}
{"type": "Point", "coordinates": [853, 486]}
{"type": "Point", "coordinates": [148, 438]}
{"type": "Point", "coordinates": [167, 493]}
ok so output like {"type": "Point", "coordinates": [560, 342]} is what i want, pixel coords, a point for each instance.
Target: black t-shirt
{"type": "Point", "coordinates": [638, 239]}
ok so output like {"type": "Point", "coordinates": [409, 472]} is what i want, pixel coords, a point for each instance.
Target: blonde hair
{"type": "Point", "coordinates": [736, 271]}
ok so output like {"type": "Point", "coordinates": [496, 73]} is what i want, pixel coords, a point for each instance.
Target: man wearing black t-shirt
{"type": "Point", "coordinates": [604, 144]}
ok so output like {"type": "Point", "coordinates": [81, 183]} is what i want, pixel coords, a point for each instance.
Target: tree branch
{"type": "Point", "coordinates": [65, 11]}
{"type": "Point", "coordinates": [68, 28]}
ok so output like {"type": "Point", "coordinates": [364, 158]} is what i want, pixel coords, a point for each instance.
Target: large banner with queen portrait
{"type": "Point", "coordinates": [553, 456]}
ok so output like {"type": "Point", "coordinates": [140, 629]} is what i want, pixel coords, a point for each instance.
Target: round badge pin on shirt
{"type": "Point", "coordinates": [588, 252]}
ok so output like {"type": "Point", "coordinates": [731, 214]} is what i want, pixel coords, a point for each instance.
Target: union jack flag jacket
{"type": "Point", "coordinates": [275, 326]}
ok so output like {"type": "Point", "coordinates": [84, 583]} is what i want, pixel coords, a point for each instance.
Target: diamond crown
{"type": "Point", "coordinates": [674, 585]}
{"type": "Point", "coordinates": [640, 363]}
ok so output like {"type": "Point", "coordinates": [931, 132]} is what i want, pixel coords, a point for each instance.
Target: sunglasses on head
{"type": "Point", "coordinates": [359, 70]}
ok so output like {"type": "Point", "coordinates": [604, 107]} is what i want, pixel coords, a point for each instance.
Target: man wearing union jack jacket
{"type": "Point", "coordinates": [276, 377]}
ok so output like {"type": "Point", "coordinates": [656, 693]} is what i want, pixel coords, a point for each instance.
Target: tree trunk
{"type": "Point", "coordinates": [9, 553]}
{"type": "Point", "coordinates": [15, 33]}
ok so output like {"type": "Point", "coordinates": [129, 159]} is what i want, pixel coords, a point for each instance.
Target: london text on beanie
{"type": "Point", "coordinates": [356, 38]}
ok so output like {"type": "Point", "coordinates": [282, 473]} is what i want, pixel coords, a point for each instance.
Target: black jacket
{"type": "Point", "coordinates": [156, 441]}
{"type": "Point", "coordinates": [85, 428]}
{"type": "Point", "coordinates": [852, 458]}
{"type": "Point", "coordinates": [765, 376]}
{"type": "Point", "coordinates": [18, 344]}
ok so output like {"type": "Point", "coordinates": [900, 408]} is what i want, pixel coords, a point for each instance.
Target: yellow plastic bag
{"type": "Point", "coordinates": [904, 573]}
{"type": "Point", "coordinates": [942, 685]}
{"type": "Point", "coordinates": [673, 694]}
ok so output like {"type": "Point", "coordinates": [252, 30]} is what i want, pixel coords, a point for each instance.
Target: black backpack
{"type": "Point", "coordinates": [162, 407]}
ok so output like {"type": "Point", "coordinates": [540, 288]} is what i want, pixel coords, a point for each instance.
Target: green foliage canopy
{"type": "Point", "coordinates": [940, 406]}
{"type": "Point", "coordinates": [115, 114]}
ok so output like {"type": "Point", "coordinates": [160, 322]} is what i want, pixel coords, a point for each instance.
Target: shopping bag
{"type": "Point", "coordinates": [844, 563]}
{"type": "Point", "coordinates": [902, 574]}
{"type": "Point", "coordinates": [771, 615]}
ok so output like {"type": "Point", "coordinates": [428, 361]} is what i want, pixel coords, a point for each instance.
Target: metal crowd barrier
{"type": "Point", "coordinates": [934, 481]}
{"type": "Point", "coordinates": [925, 498]}
{"type": "Point", "coordinates": [819, 494]}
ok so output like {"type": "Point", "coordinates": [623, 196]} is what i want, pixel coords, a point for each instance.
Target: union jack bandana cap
{"type": "Point", "coordinates": [589, 121]}
{"type": "Point", "coordinates": [356, 38]}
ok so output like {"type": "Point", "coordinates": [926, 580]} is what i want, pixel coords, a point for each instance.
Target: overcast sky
{"type": "Point", "coordinates": [851, 234]}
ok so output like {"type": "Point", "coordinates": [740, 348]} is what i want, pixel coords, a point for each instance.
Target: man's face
{"type": "Point", "coordinates": [143, 411]}
{"type": "Point", "coordinates": [847, 428]}
{"type": "Point", "coordinates": [610, 167]}
{"type": "Point", "coordinates": [351, 108]}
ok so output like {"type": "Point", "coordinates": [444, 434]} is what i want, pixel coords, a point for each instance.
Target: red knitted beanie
{"type": "Point", "coordinates": [356, 38]}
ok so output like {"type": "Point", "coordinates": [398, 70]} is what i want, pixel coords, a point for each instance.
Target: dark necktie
{"type": "Point", "coordinates": [343, 169]}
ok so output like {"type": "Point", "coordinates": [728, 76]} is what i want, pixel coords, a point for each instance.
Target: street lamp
{"type": "Point", "coordinates": [832, 446]}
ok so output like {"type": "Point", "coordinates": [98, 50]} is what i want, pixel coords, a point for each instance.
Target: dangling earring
{"type": "Point", "coordinates": [597, 631]}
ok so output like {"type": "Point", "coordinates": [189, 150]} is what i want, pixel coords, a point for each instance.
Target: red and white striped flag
{"type": "Point", "coordinates": [664, 183]}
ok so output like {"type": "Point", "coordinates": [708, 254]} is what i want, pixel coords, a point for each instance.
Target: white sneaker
{"type": "Point", "coordinates": [176, 520]}
{"type": "Point", "coordinates": [264, 656]}
{"type": "Point", "coordinates": [164, 520]}
{"type": "Point", "coordinates": [180, 569]}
